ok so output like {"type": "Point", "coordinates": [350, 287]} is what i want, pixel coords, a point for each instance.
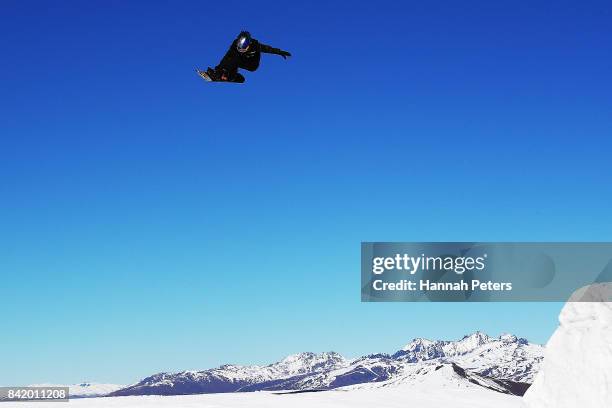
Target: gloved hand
{"type": "Point", "coordinates": [285, 54]}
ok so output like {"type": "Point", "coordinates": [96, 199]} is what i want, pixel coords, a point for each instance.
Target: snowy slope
{"type": "Point", "coordinates": [430, 376]}
{"type": "Point", "coordinates": [577, 370]}
{"type": "Point", "coordinates": [388, 397]}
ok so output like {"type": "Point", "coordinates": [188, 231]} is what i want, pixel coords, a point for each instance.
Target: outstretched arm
{"type": "Point", "coordinates": [271, 50]}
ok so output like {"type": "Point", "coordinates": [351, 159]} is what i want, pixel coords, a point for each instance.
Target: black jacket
{"type": "Point", "coordinates": [248, 60]}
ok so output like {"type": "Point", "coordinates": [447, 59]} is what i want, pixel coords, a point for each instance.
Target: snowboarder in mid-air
{"type": "Point", "coordinates": [245, 52]}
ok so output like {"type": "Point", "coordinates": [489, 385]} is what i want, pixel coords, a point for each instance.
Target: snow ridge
{"type": "Point", "coordinates": [584, 334]}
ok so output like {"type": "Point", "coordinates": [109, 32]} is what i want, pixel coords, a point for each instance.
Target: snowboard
{"type": "Point", "coordinates": [209, 76]}
{"type": "Point", "coordinates": [204, 75]}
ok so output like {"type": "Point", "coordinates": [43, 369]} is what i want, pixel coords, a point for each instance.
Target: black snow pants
{"type": "Point", "coordinates": [250, 64]}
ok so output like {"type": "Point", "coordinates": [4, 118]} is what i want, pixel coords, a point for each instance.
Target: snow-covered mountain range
{"type": "Point", "coordinates": [505, 364]}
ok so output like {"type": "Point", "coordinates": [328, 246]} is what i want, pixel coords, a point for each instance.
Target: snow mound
{"type": "Point", "coordinates": [577, 368]}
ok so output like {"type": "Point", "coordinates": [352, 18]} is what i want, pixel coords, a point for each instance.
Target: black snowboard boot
{"type": "Point", "coordinates": [212, 74]}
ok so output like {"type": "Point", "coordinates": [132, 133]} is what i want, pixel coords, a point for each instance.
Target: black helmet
{"type": "Point", "coordinates": [243, 41]}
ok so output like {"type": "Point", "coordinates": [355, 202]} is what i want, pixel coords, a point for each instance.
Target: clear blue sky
{"type": "Point", "coordinates": [151, 221]}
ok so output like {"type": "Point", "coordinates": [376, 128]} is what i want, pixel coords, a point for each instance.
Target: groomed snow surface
{"type": "Point", "coordinates": [388, 397]}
